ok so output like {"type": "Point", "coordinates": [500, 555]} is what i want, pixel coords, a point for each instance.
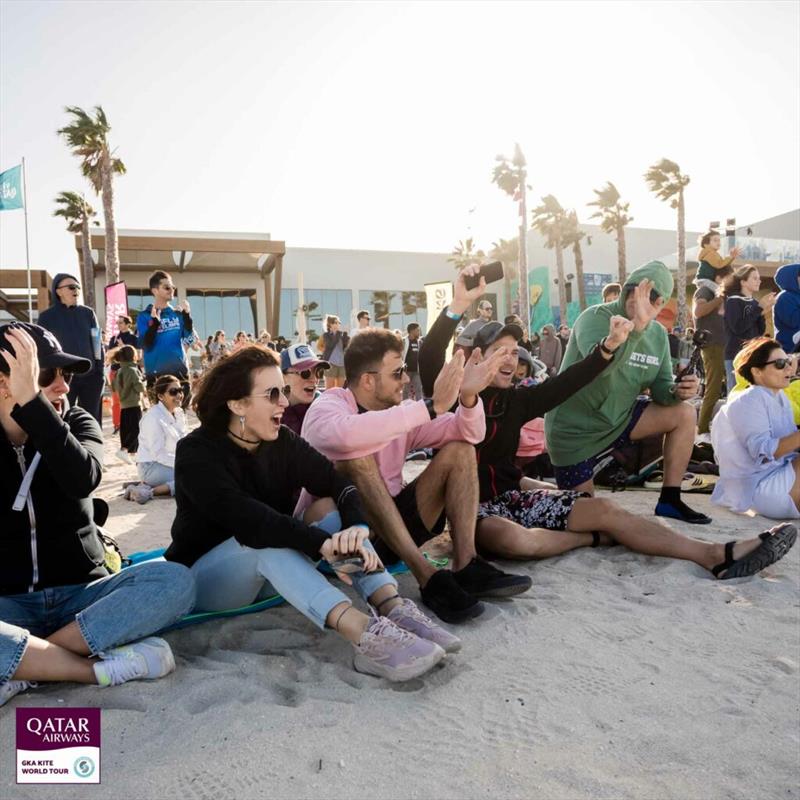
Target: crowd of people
{"type": "Point", "coordinates": [299, 454]}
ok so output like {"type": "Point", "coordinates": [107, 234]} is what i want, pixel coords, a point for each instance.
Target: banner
{"type": "Point", "coordinates": [438, 296]}
{"type": "Point", "coordinates": [11, 189]}
{"type": "Point", "coordinates": [539, 294]}
{"type": "Point", "coordinates": [116, 306]}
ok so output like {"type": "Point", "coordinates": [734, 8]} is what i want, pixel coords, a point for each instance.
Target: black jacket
{"type": "Point", "coordinates": [222, 491]}
{"type": "Point", "coordinates": [329, 341]}
{"type": "Point", "coordinates": [507, 410]}
{"type": "Point", "coordinates": [64, 548]}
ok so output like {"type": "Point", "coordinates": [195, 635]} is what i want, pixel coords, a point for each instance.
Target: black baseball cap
{"type": "Point", "coordinates": [493, 331]}
{"type": "Point", "coordinates": [47, 347]}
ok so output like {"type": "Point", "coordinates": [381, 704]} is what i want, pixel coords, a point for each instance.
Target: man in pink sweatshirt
{"type": "Point", "coordinates": [368, 430]}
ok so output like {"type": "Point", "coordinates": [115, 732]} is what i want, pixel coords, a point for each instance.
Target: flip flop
{"type": "Point", "coordinates": [775, 544]}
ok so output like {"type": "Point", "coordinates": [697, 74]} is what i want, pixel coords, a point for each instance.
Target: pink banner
{"type": "Point", "coordinates": [116, 305]}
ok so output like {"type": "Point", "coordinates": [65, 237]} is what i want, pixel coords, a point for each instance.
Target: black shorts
{"type": "Point", "coordinates": [406, 502]}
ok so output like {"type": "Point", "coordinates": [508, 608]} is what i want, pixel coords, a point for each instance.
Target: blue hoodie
{"type": "Point", "coordinates": [75, 327]}
{"type": "Point", "coordinates": [165, 356]}
{"type": "Point", "coordinates": [787, 307]}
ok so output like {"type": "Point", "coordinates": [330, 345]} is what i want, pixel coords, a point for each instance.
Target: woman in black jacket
{"type": "Point", "coordinates": [522, 518]}
{"type": "Point", "coordinates": [235, 480]}
{"type": "Point", "coordinates": [59, 604]}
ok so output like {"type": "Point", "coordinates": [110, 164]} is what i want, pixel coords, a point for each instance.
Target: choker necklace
{"type": "Point", "coordinates": [242, 439]}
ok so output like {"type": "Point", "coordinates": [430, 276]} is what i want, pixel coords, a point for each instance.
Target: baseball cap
{"type": "Point", "coordinates": [299, 357]}
{"type": "Point", "coordinates": [493, 331]}
{"type": "Point", "coordinates": [47, 347]}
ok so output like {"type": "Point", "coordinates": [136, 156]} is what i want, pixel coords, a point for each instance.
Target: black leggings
{"type": "Point", "coordinates": [129, 419]}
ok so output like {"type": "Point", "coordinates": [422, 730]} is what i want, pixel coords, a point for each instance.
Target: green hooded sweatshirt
{"type": "Point", "coordinates": [128, 385]}
{"type": "Point", "coordinates": [590, 420]}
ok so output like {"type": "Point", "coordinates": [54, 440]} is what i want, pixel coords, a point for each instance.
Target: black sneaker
{"type": "Point", "coordinates": [448, 600]}
{"type": "Point", "coordinates": [482, 579]}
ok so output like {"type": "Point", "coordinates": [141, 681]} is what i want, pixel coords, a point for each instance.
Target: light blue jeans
{"type": "Point", "coordinates": [730, 375]}
{"type": "Point", "coordinates": [232, 575]}
{"type": "Point", "coordinates": [154, 474]}
{"type": "Point", "coordinates": [110, 611]}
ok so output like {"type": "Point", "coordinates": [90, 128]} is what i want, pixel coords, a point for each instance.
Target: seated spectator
{"type": "Point", "coordinates": [161, 428]}
{"type": "Point", "coordinates": [236, 475]}
{"type": "Point", "coordinates": [787, 307]}
{"type": "Point", "coordinates": [756, 439]}
{"type": "Point", "coordinates": [709, 257]}
{"type": "Point", "coordinates": [609, 412]}
{"type": "Point", "coordinates": [63, 615]}
{"type": "Point", "coordinates": [368, 430]}
{"type": "Point", "coordinates": [130, 387]}
{"type": "Point", "coordinates": [611, 292]}
{"type": "Point", "coordinates": [302, 371]}
{"type": "Point", "coordinates": [550, 349]}
{"type": "Point", "coordinates": [745, 316]}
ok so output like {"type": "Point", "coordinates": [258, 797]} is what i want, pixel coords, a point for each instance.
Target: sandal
{"type": "Point", "coordinates": [775, 544]}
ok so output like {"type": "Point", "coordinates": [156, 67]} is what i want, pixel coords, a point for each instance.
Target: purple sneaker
{"type": "Point", "coordinates": [390, 652]}
{"type": "Point", "coordinates": [408, 617]}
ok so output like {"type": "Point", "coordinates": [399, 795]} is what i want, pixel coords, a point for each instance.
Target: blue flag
{"type": "Point", "coordinates": [11, 189]}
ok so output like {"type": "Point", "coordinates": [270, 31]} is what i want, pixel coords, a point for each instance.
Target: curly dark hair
{"type": "Point", "coordinates": [229, 379]}
{"type": "Point", "coordinates": [366, 351]}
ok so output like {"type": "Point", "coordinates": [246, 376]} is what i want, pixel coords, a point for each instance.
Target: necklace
{"type": "Point", "coordinates": [242, 439]}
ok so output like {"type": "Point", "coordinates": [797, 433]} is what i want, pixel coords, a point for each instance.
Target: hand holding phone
{"type": "Point", "coordinates": [491, 272]}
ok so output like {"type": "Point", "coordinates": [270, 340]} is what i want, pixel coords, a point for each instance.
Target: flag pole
{"type": "Point", "coordinates": [27, 246]}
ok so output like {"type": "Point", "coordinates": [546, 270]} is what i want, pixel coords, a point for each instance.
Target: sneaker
{"type": "Point", "coordinates": [482, 579]}
{"type": "Point", "coordinates": [408, 617]}
{"type": "Point", "coordinates": [10, 689]}
{"type": "Point", "coordinates": [390, 652]}
{"type": "Point", "coordinates": [417, 455]}
{"type": "Point", "coordinates": [124, 455]}
{"type": "Point", "coordinates": [443, 595]}
{"type": "Point", "coordinates": [142, 493]}
{"type": "Point", "coordinates": [147, 660]}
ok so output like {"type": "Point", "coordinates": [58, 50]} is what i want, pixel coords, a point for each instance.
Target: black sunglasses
{"type": "Point", "coordinates": [73, 286]}
{"type": "Point", "coordinates": [49, 374]}
{"type": "Point", "coordinates": [305, 374]}
{"type": "Point", "coordinates": [174, 391]}
{"type": "Point", "coordinates": [781, 363]}
{"type": "Point", "coordinates": [274, 394]}
{"type": "Point", "coordinates": [397, 374]}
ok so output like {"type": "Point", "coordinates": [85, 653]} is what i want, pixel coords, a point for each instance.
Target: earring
{"type": "Point", "coordinates": [241, 425]}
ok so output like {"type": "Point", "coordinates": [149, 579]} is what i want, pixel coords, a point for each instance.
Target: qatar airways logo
{"type": "Point", "coordinates": [60, 730]}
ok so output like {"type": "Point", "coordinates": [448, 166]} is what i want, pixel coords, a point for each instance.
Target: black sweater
{"type": "Point", "coordinates": [65, 548]}
{"type": "Point", "coordinates": [223, 490]}
{"type": "Point", "coordinates": [507, 410]}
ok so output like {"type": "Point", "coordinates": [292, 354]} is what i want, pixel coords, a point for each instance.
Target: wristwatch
{"type": "Point", "coordinates": [429, 405]}
{"type": "Point", "coordinates": [605, 349]}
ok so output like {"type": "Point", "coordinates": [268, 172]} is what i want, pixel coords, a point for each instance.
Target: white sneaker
{"type": "Point", "coordinates": [142, 493]}
{"type": "Point", "coordinates": [408, 617]}
{"type": "Point", "coordinates": [147, 660]}
{"type": "Point", "coordinates": [124, 455]}
{"type": "Point", "coordinates": [10, 689]}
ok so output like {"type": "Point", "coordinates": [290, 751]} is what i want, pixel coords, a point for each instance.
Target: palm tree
{"type": "Point", "coordinates": [572, 238]}
{"type": "Point", "coordinates": [664, 179]}
{"type": "Point", "coordinates": [78, 214]}
{"type": "Point", "coordinates": [464, 254]}
{"type": "Point", "coordinates": [550, 220]}
{"type": "Point", "coordinates": [87, 136]}
{"type": "Point", "coordinates": [613, 216]}
{"type": "Point", "coordinates": [507, 251]}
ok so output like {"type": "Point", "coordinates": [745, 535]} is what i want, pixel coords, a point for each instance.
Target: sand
{"type": "Point", "coordinates": [616, 676]}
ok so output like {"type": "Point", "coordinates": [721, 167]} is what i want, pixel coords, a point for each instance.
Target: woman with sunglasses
{"type": "Point", "coordinates": [302, 371]}
{"type": "Point", "coordinates": [236, 477]}
{"type": "Point", "coordinates": [161, 428]}
{"type": "Point", "coordinates": [332, 345]}
{"type": "Point", "coordinates": [755, 437]}
{"type": "Point", "coordinates": [63, 615]}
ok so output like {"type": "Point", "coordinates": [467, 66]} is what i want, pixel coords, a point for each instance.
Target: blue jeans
{"type": "Point", "coordinates": [110, 611]}
{"type": "Point", "coordinates": [232, 575]}
{"type": "Point", "coordinates": [730, 375]}
{"type": "Point", "coordinates": [155, 474]}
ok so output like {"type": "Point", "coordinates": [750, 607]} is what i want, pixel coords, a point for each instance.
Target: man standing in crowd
{"type": "Point", "coordinates": [362, 320]}
{"type": "Point", "coordinates": [78, 332]}
{"type": "Point", "coordinates": [609, 413]}
{"type": "Point", "coordinates": [467, 335]}
{"type": "Point", "coordinates": [550, 352]}
{"type": "Point", "coordinates": [411, 345]}
{"type": "Point", "coordinates": [564, 336]}
{"type": "Point", "coordinates": [162, 330]}
{"type": "Point", "coordinates": [369, 430]}
{"type": "Point", "coordinates": [611, 292]}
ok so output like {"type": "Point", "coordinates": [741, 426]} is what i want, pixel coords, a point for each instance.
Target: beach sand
{"type": "Point", "coordinates": [615, 676]}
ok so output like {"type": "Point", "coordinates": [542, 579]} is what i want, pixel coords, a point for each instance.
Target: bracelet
{"type": "Point", "coordinates": [451, 315]}
{"type": "Point", "coordinates": [602, 346]}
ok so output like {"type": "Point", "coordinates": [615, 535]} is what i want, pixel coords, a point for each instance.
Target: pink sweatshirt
{"type": "Point", "coordinates": [334, 427]}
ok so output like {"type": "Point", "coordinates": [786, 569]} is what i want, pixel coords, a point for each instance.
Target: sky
{"type": "Point", "coordinates": [376, 125]}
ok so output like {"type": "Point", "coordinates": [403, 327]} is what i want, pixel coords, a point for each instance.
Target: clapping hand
{"type": "Point", "coordinates": [643, 311]}
{"type": "Point", "coordinates": [619, 328]}
{"type": "Point", "coordinates": [448, 384]}
{"type": "Point", "coordinates": [479, 373]}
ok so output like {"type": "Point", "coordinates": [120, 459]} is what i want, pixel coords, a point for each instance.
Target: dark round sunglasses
{"type": "Point", "coordinates": [49, 374]}
{"type": "Point", "coordinates": [781, 363]}
{"type": "Point", "coordinates": [305, 374]}
{"type": "Point", "coordinates": [274, 394]}
{"type": "Point", "coordinates": [174, 391]}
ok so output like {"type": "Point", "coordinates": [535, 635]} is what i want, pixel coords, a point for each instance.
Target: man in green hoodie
{"type": "Point", "coordinates": [609, 413]}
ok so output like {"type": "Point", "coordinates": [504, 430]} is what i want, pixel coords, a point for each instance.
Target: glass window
{"type": "Point", "coordinates": [230, 310]}
{"type": "Point", "coordinates": [319, 303]}
{"type": "Point", "coordinates": [395, 309]}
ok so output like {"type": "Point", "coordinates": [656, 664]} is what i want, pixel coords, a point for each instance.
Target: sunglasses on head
{"type": "Point", "coordinates": [274, 394]}
{"type": "Point", "coordinates": [781, 363]}
{"type": "Point", "coordinates": [174, 391]}
{"type": "Point", "coordinates": [397, 374]}
{"type": "Point", "coordinates": [49, 374]}
{"type": "Point", "coordinates": [305, 374]}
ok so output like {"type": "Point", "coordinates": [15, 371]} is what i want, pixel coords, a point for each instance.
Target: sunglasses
{"type": "Point", "coordinates": [73, 286]}
{"type": "Point", "coordinates": [274, 394]}
{"type": "Point", "coordinates": [49, 374]}
{"type": "Point", "coordinates": [397, 374]}
{"type": "Point", "coordinates": [781, 363]}
{"type": "Point", "coordinates": [174, 391]}
{"type": "Point", "coordinates": [305, 374]}
{"type": "Point", "coordinates": [168, 288]}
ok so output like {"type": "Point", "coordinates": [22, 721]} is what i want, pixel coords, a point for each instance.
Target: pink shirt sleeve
{"type": "Point", "coordinates": [466, 425]}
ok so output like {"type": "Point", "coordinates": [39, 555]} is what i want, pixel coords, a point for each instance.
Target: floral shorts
{"type": "Point", "coordinates": [537, 508]}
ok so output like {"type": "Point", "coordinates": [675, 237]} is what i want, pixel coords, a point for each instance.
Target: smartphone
{"type": "Point", "coordinates": [492, 271]}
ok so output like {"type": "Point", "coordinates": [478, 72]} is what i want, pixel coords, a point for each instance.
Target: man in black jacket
{"type": "Point", "coordinates": [522, 518]}
{"type": "Point", "coordinates": [60, 606]}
